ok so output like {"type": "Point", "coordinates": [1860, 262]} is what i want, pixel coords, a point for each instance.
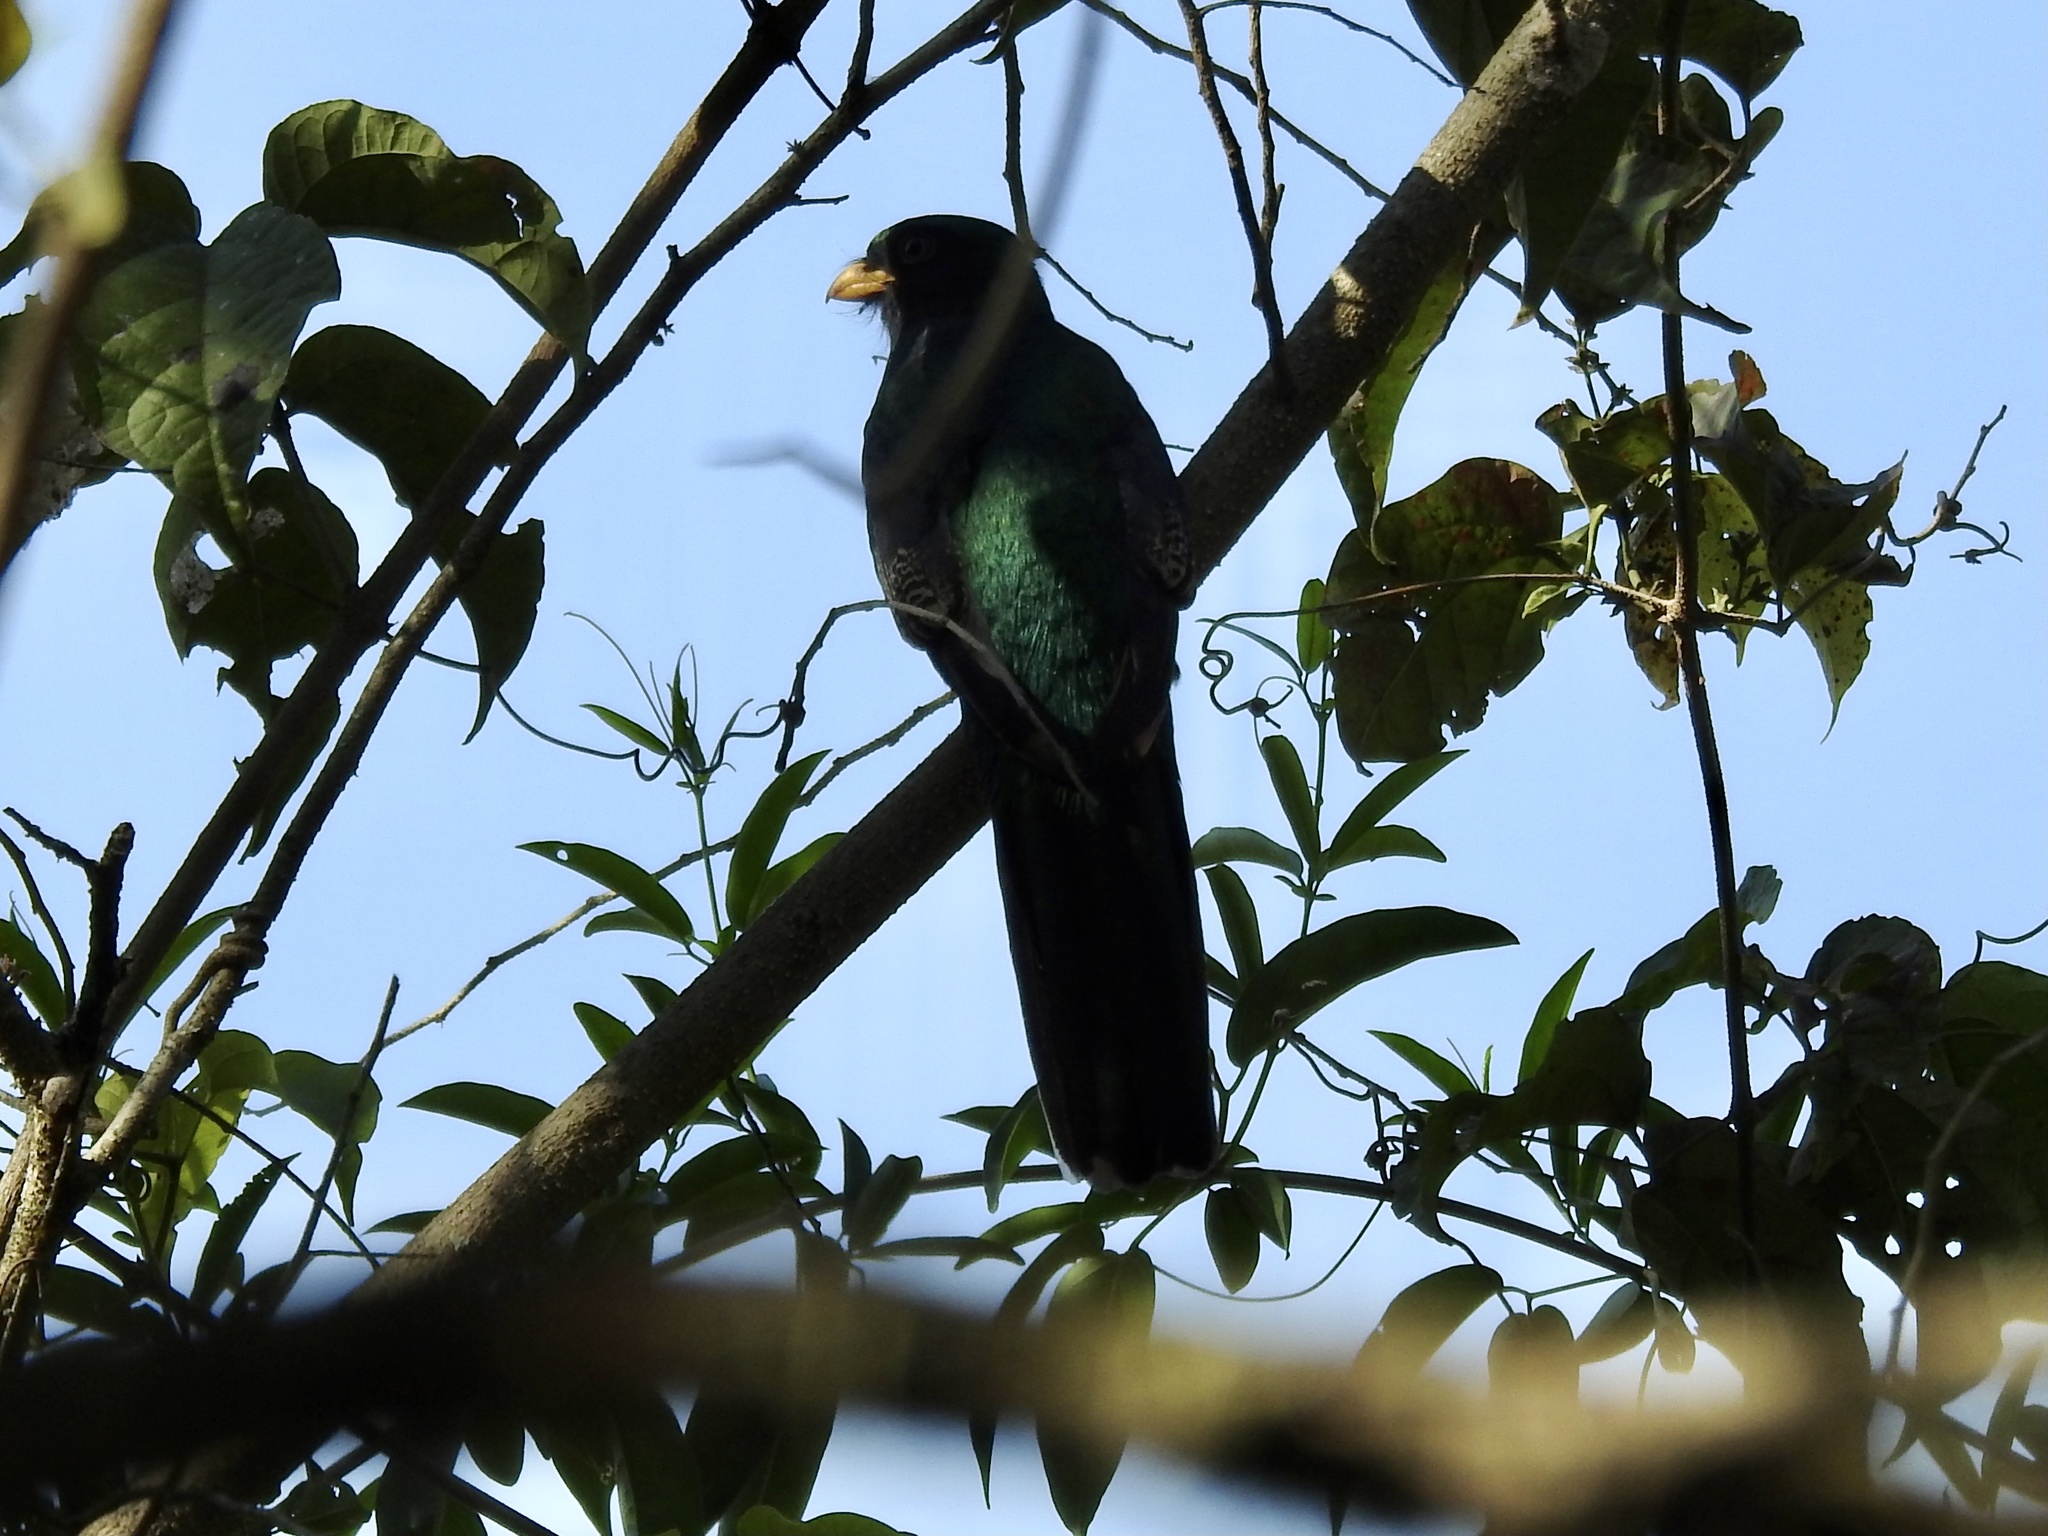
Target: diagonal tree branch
{"type": "Point", "coordinates": [729, 1012]}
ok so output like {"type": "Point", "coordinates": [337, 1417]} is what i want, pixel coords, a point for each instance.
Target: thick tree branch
{"type": "Point", "coordinates": [1380, 1435]}
{"type": "Point", "coordinates": [724, 1018]}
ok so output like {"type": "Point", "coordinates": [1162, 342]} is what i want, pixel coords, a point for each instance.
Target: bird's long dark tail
{"type": "Point", "coordinates": [1107, 939]}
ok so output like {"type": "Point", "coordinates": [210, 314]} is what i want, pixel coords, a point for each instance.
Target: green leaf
{"type": "Point", "coordinates": [325, 1509]}
{"type": "Point", "coordinates": [33, 975]}
{"type": "Point", "coordinates": [391, 398]}
{"type": "Point", "coordinates": [1624, 1320]}
{"type": "Point", "coordinates": [1020, 1132]}
{"type": "Point", "coordinates": [1807, 517]}
{"type": "Point", "coordinates": [1607, 458]}
{"type": "Point", "coordinates": [616, 872]}
{"type": "Point", "coordinates": [406, 1223]}
{"type": "Point", "coordinates": [1389, 842]}
{"type": "Point", "coordinates": [1835, 614]}
{"type": "Point", "coordinates": [655, 993]}
{"type": "Point", "coordinates": [759, 833]}
{"type": "Point", "coordinates": [218, 1260]}
{"type": "Point", "coordinates": [784, 873]}
{"type": "Point", "coordinates": [1552, 1011]}
{"type": "Point", "coordinates": [1443, 1074]}
{"type": "Point", "coordinates": [1404, 673]}
{"type": "Point", "coordinates": [86, 1299]}
{"type": "Point", "coordinates": [485, 1104]}
{"type": "Point", "coordinates": [496, 1442]}
{"type": "Point", "coordinates": [659, 1489]}
{"type": "Point", "coordinates": [1240, 921]}
{"type": "Point", "coordinates": [416, 414]}
{"type": "Point", "coordinates": [322, 1091]}
{"type": "Point", "coordinates": [788, 1128]}
{"type": "Point", "coordinates": [1566, 171]}
{"type": "Point", "coordinates": [1290, 786]}
{"type": "Point", "coordinates": [1242, 845]}
{"type": "Point", "coordinates": [880, 1199]}
{"type": "Point", "coordinates": [1694, 958]}
{"type": "Point", "coordinates": [1078, 1242]}
{"type": "Point", "coordinates": [1733, 576]}
{"type": "Point", "coordinates": [180, 353]}
{"type": "Point", "coordinates": [360, 170]}
{"type": "Point", "coordinates": [1423, 1316]}
{"type": "Point", "coordinates": [1395, 786]}
{"type": "Point", "coordinates": [293, 566]}
{"type": "Point", "coordinates": [1652, 198]}
{"type": "Point", "coordinates": [1316, 970]}
{"type": "Point", "coordinates": [607, 1032]}
{"type": "Point", "coordinates": [1533, 1356]}
{"type": "Point", "coordinates": [1233, 1237]}
{"type": "Point", "coordinates": [584, 1453]}
{"type": "Point", "coordinates": [632, 730]}
{"type": "Point", "coordinates": [1040, 1221]}
{"type": "Point", "coordinates": [1362, 436]}
{"type": "Point", "coordinates": [159, 211]}
{"type": "Point", "coordinates": [763, 1520]}
{"type": "Point", "coordinates": [1311, 635]}
{"type": "Point", "coordinates": [1114, 1288]}
{"type": "Point", "coordinates": [968, 1249]}
{"type": "Point", "coordinates": [1744, 42]}
{"type": "Point", "coordinates": [1270, 1206]}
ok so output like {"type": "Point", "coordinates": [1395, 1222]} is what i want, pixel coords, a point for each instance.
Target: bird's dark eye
{"type": "Point", "coordinates": [917, 248]}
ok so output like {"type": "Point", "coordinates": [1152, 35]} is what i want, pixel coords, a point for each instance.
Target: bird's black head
{"type": "Point", "coordinates": [942, 266]}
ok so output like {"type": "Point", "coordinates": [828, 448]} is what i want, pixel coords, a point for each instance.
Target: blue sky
{"type": "Point", "coordinates": [1888, 256]}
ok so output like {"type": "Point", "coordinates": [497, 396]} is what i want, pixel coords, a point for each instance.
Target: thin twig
{"type": "Point", "coordinates": [1270, 190]}
{"type": "Point", "coordinates": [590, 904]}
{"type": "Point", "coordinates": [1263, 297]}
{"type": "Point", "coordinates": [1244, 88]}
{"type": "Point", "coordinates": [1685, 627]}
{"type": "Point", "coordinates": [344, 1132]}
{"type": "Point", "coordinates": [32, 371]}
{"type": "Point", "coordinates": [1106, 312]}
{"type": "Point", "coordinates": [1013, 142]}
{"type": "Point", "coordinates": [863, 50]}
{"type": "Point", "coordinates": [1344, 21]}
{"type": "Point", "coordinates": [793, 705]}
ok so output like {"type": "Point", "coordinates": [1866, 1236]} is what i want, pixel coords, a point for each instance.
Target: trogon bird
{"type": "Point", "coordinates": [1032, 539]}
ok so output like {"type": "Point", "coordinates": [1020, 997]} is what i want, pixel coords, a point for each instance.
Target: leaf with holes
{"type": "Point", "coordinates": [361, 170]}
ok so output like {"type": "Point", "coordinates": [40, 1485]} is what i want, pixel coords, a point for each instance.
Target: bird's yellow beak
{"type": "Point", "coordinates": [858, 280]}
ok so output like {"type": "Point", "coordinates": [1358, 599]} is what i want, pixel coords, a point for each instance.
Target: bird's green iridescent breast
{"type": "Point", "coordinates": [1039, 540]}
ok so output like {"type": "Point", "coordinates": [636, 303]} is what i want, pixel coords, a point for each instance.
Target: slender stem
{"type": "Point", "coordinates": [1240, 185]}
{"type": "Point", "coordinates": [344, 1131]}
{"type": "Point", "coordinates": [1013, 142]}
{"type": "Point", "coordinates": [1685, 625]}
